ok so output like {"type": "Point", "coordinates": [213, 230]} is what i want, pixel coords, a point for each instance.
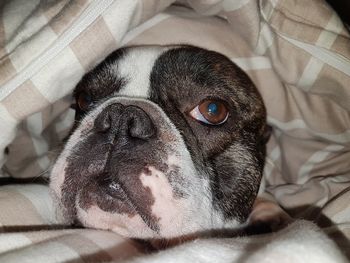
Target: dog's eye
{"type": "Point", "coordinates": [210, 111]}
{"type": "Point", "coordinates": [84, 101]}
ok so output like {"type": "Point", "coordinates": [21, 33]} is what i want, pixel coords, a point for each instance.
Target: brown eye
{"type": "Point", "coordinates": [210, 111]}
{"type": "Point", "coordinates": [84, 101]}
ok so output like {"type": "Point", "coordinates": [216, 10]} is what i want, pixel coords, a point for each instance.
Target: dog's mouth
{"type": "Point", "coordinates": [108, 195]}
{"type": "Point", "coordinates": [116, 191]}
{"type": "Point", "coordinates": [113, 197]}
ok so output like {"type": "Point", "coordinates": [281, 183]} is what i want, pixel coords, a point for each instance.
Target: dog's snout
{"type": "Point", "coordinates": [137, 123]}
{"type": "Point", "coordinates": [109, 116]}
{"type": "Point", "coordinates": [125, 121]}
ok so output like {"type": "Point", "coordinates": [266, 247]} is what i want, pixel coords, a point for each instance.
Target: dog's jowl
{"type": "Point", "coordinates": [168, 142]}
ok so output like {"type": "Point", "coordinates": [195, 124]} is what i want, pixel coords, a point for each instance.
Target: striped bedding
{"type": "Point", "coordinates": [296, 52]}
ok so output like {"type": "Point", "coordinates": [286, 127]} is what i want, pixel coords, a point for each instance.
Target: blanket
{"type": "Point", "coordinates": [296, 52]}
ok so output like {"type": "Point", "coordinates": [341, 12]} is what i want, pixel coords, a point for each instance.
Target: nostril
{"type": "Point", "coordinates": [114, 186]}
{"type": "Point", "coordinates": [125, 123]}
{"type": "Point", "coordinates": [106, 123]}
{"type": "Point", "coordinates": [103, 122]}
{"type": "Point", "coordinates": [108, 118]}
{"type": "Point", "coordinates": [141, 127]}
{"type": "Point", "coordinates": [115, 190]}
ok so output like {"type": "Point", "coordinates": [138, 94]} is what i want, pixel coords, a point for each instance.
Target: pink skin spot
{"type": "Point", "coordinates": [169, 210]}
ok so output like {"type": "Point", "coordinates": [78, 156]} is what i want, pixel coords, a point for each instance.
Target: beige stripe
{"type": "Point", "coordinates": [321, 116]}
{"type": "Point", "coordinates": [42, 252]}
{"type": "Point", "coordinates": [35, 128]}
{"type": "Point", "coordinates": [17, 210]}
{"type": "Point", "coordinates": [272, 162]}
{"type": "Point", "coordinates": [88, 250]}
{"type": "Point", "coordinates": [53, 8]}
{"type": "Point", "coordinates": [234, 5]}
{"type": "Point", "coordinates": [310, 73]}
{"type": "Point", "coordinates": [339, 209]}
{"type": "Point", "coordinates": [319, 113]}
{"type": "Point", "coordinates": [2, 32]}
{"type": "Point", "coordinates": [245, 21]}
{"type": "Point", "coordinates": [7, 70]}
{"type": "Point", "coordinates": [265, 39]}
{"type": "Point", "coordinates": [93, 44]}
{"type": "Point", "coordinates": [205, 29]}
{"type": "Point", "coordinates": [65, 123]}
{"type": "Point", "coordinates": [330, 32]}
{"type": "Point", "coordinates": [67, 14]}
{"type": "Point", "coordinates": [25, 100]}
{"type": "Point", "coordinates": [325, 40]}
{"type": "Point", "coordinates": [58, 119]}
{"type": "Point", "coordinates": [22, 159]}
{"type": "Point", "coordinates": [115, 245]}
{"type": "Point", "coordinates": [253, 63]}
{"type": "Point", "coordinates": [8, 129]}
{"type": "Point", "coordinates": [288, 61]}
{"type": "Point", "coordinates": [341, 45]}
{"type": "Point", "coordinates": [339, 93]}
{"type": "Point", "coordinates": [150, 8]}
{"type": "Point", "coordinates": [320, 156]}
{"type": "Point", "coordinates": [51, 235]}
{"type": "Point", "coordinates": [143, 27]}
{"type": "Point", "coordinates": [301, 12]}
{"type": "Point", "coordinates": [39, 196]}
{"type": "Point", "coordinates": [312, 194]}
{"type": "Point", "coordinates": [300, 129]}
{"type": "Point", "coordinates": [56, 110]}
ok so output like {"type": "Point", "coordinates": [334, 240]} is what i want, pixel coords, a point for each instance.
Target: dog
{"type": "Point", "coordinates": [168, 143]}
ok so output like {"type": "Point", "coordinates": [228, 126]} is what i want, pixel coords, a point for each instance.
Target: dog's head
{"type": "Point", "coordinates": [168, 141]}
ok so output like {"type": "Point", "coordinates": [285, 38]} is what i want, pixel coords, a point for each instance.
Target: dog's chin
{"type": "Point", "coordinates": [123, 224]}
{"type": "Point", "coordinates": [109, 207]}
{"type": "Point", "coordinates": [132, 224]}
{"type": "Point", "coordinates": [153, 213]}
{"type": "Point", "coordinates": [112, 207]}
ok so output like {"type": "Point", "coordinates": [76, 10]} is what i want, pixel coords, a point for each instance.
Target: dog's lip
{"type": "Point", "coordinates": [105, 192]}
{"type": "Point", "coordinates": [113, 189]}
{"type": "Point", "coordinates": [116, 191]}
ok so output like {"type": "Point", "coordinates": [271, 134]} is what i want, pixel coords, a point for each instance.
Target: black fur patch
{"type": "Point", "coordinates": [180, 79]}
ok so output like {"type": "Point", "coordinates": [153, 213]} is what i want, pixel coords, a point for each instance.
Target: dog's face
{"type": "Point", "coordinates": [168, 141]}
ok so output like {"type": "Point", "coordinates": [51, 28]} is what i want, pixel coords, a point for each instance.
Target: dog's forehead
{"type": "Point", "coordinates": [135, 67]}
{"type": "Point", "coordinates": [137, 71]}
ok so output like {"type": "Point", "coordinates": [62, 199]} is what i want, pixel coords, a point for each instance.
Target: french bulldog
{"type": "Point", "coordinates": [168, 142]}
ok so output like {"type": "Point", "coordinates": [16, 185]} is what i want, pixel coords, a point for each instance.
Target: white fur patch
{"type": "Point", "coordinates": [136, 68]}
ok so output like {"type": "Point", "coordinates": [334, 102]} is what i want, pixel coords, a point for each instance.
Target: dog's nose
{"type": "Point", "coordinates": [125, 121]}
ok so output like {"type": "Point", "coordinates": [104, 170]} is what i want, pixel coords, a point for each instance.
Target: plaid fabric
{"type": "Point", "coordinates": [296, 52]}
{"type": "Point", "coordinates": [25, 209]}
